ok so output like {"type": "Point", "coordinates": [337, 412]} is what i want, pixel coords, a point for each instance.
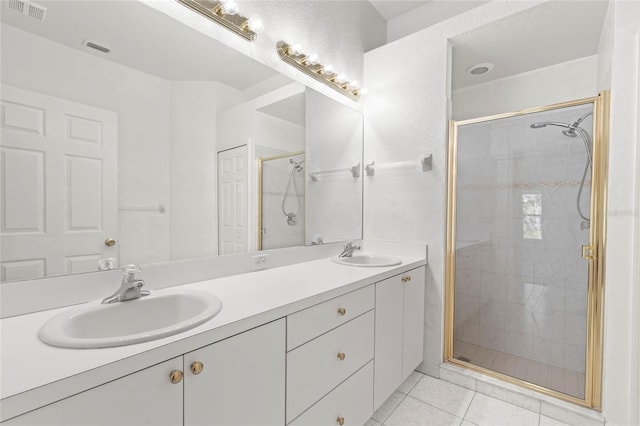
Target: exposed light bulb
{"type": "Point", "coordinates": [229, 7]}
{"type": "Point", "coordinates": [341, 78]}
{"type": "Point", "coordinates": [328, 68]}
{"type": "Point", "coordinates": [354, 84]}
{"type": "Point", "coordinates": [297, 49]}
{"type": "Point", "coordinates": [313, 58]}
{"type": "Point", "coordinates": [255, 24]}
{"type": "Point", "coordinates": [364, 91]}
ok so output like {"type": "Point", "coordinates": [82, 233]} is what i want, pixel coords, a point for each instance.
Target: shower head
{"type": "Point", "coordinates": [297, 165]}
{"type": "Point", "coordinates": [538, 125]}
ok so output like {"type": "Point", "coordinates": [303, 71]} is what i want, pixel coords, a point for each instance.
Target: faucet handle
{"type": "Point", "coordinates": [130, 271]}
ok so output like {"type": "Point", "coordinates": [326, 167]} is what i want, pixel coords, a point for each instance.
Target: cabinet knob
{"type": "Point", "coordinates": [109, 242]}
{"type": "Point", "coordinates": [197, 367]}
{"type": "Point", "coordinates": [176, 376]}
{"type": "Point", "coordinates": [340, 420]}
{"type": "Point", "coordinates": [342, 311]}
{"type": "Point", "coordinates": [341, 356]}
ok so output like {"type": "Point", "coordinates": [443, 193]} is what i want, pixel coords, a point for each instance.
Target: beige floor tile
{"type": "Point", "coordinates": [412, 412]}
{"type": "Point", "coordinates": [446, 396]}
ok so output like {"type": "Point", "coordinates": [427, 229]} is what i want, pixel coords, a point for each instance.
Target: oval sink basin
{"type": "Point", "coordinates": [97, 325]}
{"type": "Point", "coordinates": [368, 260]}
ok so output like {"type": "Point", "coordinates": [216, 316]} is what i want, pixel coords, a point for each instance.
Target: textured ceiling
{"type": "Point", "coordinates": [391, 8]}
{"type": "Point", "coordinates": [548, 34]}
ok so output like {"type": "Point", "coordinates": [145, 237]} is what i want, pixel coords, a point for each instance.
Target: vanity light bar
{"type": "Point", "coordinates": [224, 13]}
{"type": "Point", "coordinates": [308, 64]}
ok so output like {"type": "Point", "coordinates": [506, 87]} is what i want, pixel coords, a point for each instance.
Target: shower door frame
{"type": "Point", "coordinates": [260, 161]}
{"type": "Point", "coordinates": [594, 252]}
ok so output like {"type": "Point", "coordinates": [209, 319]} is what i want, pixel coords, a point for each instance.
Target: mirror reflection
{"type": "Point", "coordinates": [125, 142]}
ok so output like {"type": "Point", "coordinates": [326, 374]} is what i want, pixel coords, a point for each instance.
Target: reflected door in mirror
{"type": "Point", "coordinates": [232, 211]}
{"type": "Point", "coordinates": [59, 180]}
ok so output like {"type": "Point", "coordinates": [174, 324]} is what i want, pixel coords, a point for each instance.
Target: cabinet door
{"type": "Point", "coordinates": [242, 381]}
{"type": "Point", "coordinates": [388, 338]}
{"type": "Point", "coordinates": [413, 341]}
{"type": "Point", "coordinates": [144, 398]}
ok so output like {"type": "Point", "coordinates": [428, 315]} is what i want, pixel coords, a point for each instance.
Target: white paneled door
{"type": "Point", "coordinates": [58, 185]}
{"type": "Point", "coordinates": [233, 222]}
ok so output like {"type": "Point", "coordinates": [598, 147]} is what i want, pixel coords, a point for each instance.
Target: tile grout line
{"type": "Point", "coordinates": [469, 406]}
{"type": "Point", "coordinates": [395, 408]}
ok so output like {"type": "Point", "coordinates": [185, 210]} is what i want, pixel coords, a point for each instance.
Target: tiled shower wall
{"type": "Point", "coordinates": [521, 283]}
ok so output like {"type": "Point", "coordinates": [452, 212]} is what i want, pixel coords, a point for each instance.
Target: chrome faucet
{"type": "Point", "coordinates": [130, 288]}
{"type": "Point", "coordinates": [349, 248]}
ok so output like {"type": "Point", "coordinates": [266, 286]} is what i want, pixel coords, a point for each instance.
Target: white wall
{"type": "Point", "coordinates": [622, 297]}
{"type": "Point", "coordinates": [427, 15]}
{"type": "Point", "coordinates": [406, 116]}
{"type": "Point", "coordinates": [544, 86]}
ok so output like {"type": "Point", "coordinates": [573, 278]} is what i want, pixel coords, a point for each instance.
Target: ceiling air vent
{"type": "Point", "coordinates": [27, 8]}
{"type": "Point", "coordinates": [99, 47]}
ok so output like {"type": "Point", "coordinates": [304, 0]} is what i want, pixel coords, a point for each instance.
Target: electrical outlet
{"type": "Point", "coordinates": [260, 261]}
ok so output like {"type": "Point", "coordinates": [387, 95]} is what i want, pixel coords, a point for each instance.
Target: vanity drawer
{"type": "Point", "coordinates": [312, 322]}
{"type": "Point", "coordinates": [317, 367]}
{"type": "Point", "coordinates": [351, 402]}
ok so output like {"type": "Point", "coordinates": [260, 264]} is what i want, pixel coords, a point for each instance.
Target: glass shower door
{"type": "Point", "coordinates": [521, 215]}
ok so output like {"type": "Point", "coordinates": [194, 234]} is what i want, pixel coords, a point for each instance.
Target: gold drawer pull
{"type": "Point", "coordinates": [340, 420]}
{"type": "Point", "coordinates": [197, 367]}
{"type": "Point", "coordinates": [406, 278]}
{"type": "Point", "coordinates": [176, 376]}
{"type": "Point", "coordinates": [342, 311]}
{"type": "Point", "coordinates": [341, 356]}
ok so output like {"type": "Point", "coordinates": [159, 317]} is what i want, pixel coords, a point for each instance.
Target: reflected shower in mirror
{"type": "Point", "coordinates": [281, 207]}
{"type": "Point", "coordinates": [115, 128]}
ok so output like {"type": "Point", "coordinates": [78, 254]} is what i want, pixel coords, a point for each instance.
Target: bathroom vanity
{"type": "Point", "coordinates": [309, 343]}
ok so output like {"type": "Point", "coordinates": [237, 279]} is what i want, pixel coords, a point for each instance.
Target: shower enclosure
{"type": "Point", "coordinates": [281, 200]}
{"type": "Point", "coordinates": [524, 247]}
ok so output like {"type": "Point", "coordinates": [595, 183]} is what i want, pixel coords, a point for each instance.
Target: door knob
{"type": "Point", "coordinates": [109, 242]}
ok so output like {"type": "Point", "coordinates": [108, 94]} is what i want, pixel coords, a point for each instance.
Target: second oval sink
{"type": "Point", "coordinates": [161, 314]}
{"type": "Point", "coordinates": [368, 260]}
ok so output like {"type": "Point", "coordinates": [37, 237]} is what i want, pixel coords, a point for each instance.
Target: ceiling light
{"type": "Point", "coordinates": [479, 69]}
{"type": "Point", "coordinates": [293, 55]}
{"type": "Point", "coordinates": [226, 14]}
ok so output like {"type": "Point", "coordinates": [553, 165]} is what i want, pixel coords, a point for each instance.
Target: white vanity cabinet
{"type": "Point", "coordinates": [144, 398]}
{"type": "Point", "coordinates": [236, 381]}
{"type": "Point", "coordinates": [399, 325]}
{"type": "Point", "coordinates": [328, 381]}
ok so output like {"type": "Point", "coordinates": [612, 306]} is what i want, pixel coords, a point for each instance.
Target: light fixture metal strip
{"type": "Point", "coordinates": [299, 61]}
{"type": "Point", "coordinates": [233, 22]}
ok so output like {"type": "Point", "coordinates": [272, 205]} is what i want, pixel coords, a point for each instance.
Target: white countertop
{"type": "Point", "coordinates": [33, 374]}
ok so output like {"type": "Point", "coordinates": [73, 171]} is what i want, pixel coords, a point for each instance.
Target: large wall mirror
{"type": "Point", "coordinates": [128, 137]}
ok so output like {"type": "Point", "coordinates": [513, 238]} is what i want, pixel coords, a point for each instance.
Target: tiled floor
{"type": "Point", "coordinates": [552, 377]}
{"type": "Point", "coordinates": [423, 400]}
